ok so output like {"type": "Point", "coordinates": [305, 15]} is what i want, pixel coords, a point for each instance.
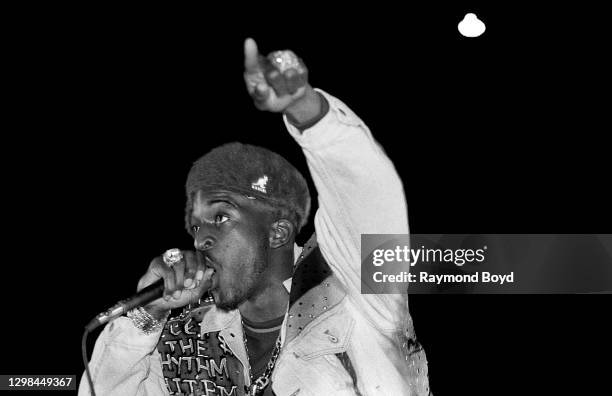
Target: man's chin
{"type": "Point", "coordinates": [226, 306]}
{"type": "Point", "coordinates": [224, 303]}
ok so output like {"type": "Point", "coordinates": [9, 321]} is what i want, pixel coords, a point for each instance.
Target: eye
{"type": "Point", "coordinates": [220, 219]}
{"type": "Point", "coordinates": [195, 229]}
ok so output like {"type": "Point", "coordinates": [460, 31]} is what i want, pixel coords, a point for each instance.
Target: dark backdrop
{"type": "Point", "coordinates": [499, 134]}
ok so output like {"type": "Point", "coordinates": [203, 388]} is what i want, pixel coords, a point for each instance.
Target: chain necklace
{"type": "Point", "coordinates": [260, 383]}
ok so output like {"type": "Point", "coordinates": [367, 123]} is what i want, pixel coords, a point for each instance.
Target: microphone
{"type": "Point", "coordinates": [143, 297]}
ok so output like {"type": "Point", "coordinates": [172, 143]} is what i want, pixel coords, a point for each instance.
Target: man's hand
{"type": "Point", "coordinates": [279, 83]}
{"type": "Point", "coordinates": [185, 282]}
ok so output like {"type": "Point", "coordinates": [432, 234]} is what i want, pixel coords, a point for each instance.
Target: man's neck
{"type": "Point", "coordinates": [270, 304]}
{"type": "Point", "coordinates": [273, 298]}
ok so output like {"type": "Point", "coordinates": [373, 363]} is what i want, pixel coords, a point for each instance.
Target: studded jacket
{"type": "Point", "coordinates": [335, 340]}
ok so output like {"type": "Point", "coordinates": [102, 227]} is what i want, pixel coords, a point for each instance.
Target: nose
{"type": "Point", "coordinates": [203, 243]}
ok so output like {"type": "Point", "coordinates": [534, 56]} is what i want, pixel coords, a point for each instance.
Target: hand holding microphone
{"type": "Point", "coordinates": [185, 278]}
{"type": "Point", "coordinates": [172, 281]}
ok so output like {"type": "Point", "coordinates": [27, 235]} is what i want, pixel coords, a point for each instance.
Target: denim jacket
{"type": "Point", "coordinates": [335, 340]}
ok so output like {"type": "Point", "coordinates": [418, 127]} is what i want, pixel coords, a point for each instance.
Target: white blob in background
{"type": "Point", "coordinates": [471, 26]}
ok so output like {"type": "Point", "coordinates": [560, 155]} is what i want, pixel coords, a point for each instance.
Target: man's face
{"type": "Point", "coordinates": [231, 231]}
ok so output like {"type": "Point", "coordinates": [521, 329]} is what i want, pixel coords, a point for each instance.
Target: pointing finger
{"type": "Point", "coordinates": [250, 55]}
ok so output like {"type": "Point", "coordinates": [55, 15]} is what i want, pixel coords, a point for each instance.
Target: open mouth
{"type": "Point", "coordinates": [208, 263]}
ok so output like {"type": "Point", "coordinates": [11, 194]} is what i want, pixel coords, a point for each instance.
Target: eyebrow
{"type": "Point", "coordinates": [223, 200]}
{"type": "Point", "coordinates": [226, 201]}
{"type": "Point", "coordinates": [194, 219]}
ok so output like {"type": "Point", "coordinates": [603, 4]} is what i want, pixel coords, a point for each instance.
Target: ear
{"type": "Point", "coordinates": [281, 233]}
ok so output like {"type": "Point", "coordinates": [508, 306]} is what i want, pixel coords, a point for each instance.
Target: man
{"type": "Point", "coordinates": [285, 320]}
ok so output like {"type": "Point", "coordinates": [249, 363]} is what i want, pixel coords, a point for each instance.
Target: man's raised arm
{"type": "Point", "coordinates": [359, 191]}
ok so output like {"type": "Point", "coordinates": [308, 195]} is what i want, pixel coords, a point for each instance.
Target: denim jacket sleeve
{"type": "Point", "coordinates": [359, 192]}
{"type": "Point", "coordinates": [125, 362]}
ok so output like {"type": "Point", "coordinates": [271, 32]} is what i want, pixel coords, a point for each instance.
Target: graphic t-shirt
{"type": "Point", "coordinates": [195, 364]}
{"type": "Point", "coordinates": [261, 337]}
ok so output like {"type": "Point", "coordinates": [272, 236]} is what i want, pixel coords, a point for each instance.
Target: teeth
{"type": "Point", "coordinates": [209, 264]}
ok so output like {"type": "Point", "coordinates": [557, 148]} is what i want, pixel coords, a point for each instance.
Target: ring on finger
{"type": "Point", "coordinates": [285, 60]}
{"type": "Point", "coordinates": [172, 256]}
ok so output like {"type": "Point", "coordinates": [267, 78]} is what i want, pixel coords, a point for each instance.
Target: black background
{"type": "Point", "coordinates": [107, 109]}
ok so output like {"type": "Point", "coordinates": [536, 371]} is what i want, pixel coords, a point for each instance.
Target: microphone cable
{"type": "Point", "coordinates": [85, 361]}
